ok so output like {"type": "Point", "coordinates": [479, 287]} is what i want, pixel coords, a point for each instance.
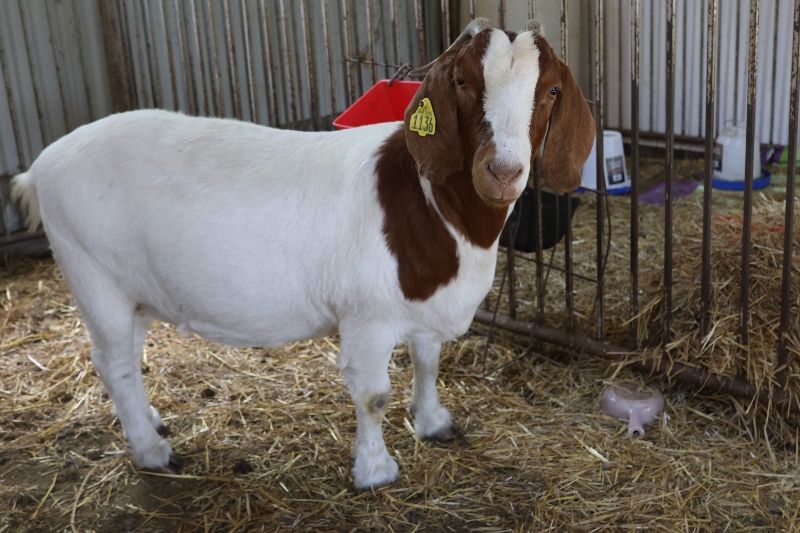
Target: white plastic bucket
{"type": "Point", "coordinates": [729, 155]}
{"type": "Point", "coordinates": [616, 172]}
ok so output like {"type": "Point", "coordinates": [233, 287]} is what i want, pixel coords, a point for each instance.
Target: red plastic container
{"type": "Point", "coordinates": [381, 103]}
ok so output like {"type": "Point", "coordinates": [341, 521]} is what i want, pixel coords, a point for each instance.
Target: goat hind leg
{"type": "Point", "coordinates": [110, 318]}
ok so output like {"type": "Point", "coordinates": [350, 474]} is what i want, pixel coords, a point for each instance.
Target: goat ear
{"type": "Point", "coordinates": [438, 154]}
{"type": "Point", "coordinates": [569, 136]}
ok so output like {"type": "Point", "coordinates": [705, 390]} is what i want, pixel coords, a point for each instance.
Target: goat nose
{"type": "Point", "coordinates": [505, 173]}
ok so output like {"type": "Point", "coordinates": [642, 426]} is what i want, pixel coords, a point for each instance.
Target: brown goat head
{"type": "Point", "coordinates": [485, 107]}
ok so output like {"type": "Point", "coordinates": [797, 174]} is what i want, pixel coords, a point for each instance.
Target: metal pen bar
{"type": "Point", "coordinates": [233, 75]}
{"type": "Point", "coordinates": [420, 30]}
{"type": "Point", "coordinates": [684, 64]}
{"type": "Point", "coordinates": [213, 60]}
{"type": "Point", "coordinates": [532, 9]}
{"type": "Point", "coordinates": [328, 56]}
{"type": "Point", "coordinates": [127, 55]}
{"type": "Point", "coordinates": [287, 61]}
{"type": "Point", "coordinates": [152, 59]}
{"type": "Point", "coordinates": [501, 14]}
{"type": "Point", "coordinates": [35, 81]}
{"type": "Point", "coordinates": [311, 71]}
{"type": "Point", "coordinates": [471, 9]}
{"type": "Point", "coordinates": [711, 78]}
{"type": "Point", "coordinates": [569, 276]}
{"type": "Point", "coordinates": [269, 67]}
{"type": "Point", "coordinates": [601, 181]}
{"type": "Point", "coordinates": [383, 34]}
{"type": "Point", "coordinates": [634, 269]}
{"type": "Point", "coordinates": [248, 65]}
{"type": "Point", "coordinates": [395, 33]}
{"type": "Point", "coordinates": [752, 69]}
{"type": "Point", "coordinates": [668, 171]}
{"type": "Point", "coordinates": [788, 225]}
{"type": "Point", "coordinates": [774, 83]}
{"type": "Point", "coordinates": [163, 13]}
{"type": "Point", "coordinates": [537, 198]}
{"type": "Point", "coordinates": [348, 66]}
{"type": "Point", "coordinates": [445, 23]}
{"type": "Point", "coordinates": [371, 39]}
{"type": "Point", "coordinates": [201, 63]}
{"type": "Point", "coordinates": [187, 61]}
{"type": "Point", "coordinates": [357, 47]}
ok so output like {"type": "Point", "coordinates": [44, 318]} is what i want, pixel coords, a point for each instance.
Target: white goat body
{"type": "Point", "coordinates": [253, 236]}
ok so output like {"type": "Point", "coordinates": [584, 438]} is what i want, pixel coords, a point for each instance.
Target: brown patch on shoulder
{"type": "Point", "coordinates": [426, 253]}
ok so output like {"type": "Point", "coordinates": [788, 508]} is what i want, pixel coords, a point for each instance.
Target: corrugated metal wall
{"type": "Point", "coordinates": [774, 60]}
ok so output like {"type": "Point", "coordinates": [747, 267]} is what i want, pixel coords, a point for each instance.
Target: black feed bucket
{"type": "Point", "coordinates": [557, 211]}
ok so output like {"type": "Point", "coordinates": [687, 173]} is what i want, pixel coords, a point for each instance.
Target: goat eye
{"type": "Point", "coordinates": [554, 91]}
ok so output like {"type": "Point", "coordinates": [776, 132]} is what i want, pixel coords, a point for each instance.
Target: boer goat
{"type": "Point", "coordinates": [253, 236]}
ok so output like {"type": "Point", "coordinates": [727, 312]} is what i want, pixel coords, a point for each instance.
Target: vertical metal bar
{"type": "Point", "coordinates": [512, 274]}
{"type": "Point", "coordinates": [501, 15]}
{"type": "Point", "coordinates": [634, 269]}
{"type": "Point", "coordinates": [736, 61]}
{"type": "Point", "coordinates": [12, 109]}
{"type": "Point", "coordinates": [125, 42]}
{"type": "Point", "coordinates": [668, 171]}
{"type": "Point", "coordinates": [384, 43]}
{"type": "Point", "coordinates": [371, 40]}
{"type": "Point", "coordinates": [471, 9]}
{"type": "Point", "coordinates": [711, 79]}
{"type": "Point", "coordinates": [287, 61]}
{"type": "Point", "coordinates": [113, 42]}
{"type": "Point", "coordinates": [348, 65]}
{"type": "Point", "coordinates": [168, 48]}
{"type": "Point", "coordinates": [684, 63]}
{"type": "Point", "coordinates": [152, 59]}
{"type": "Point", "coordinates": [601, 180]}
{"type": "Point", "coordinates": [311, 71]}
{"type": "Point", "coordinates": [653, 19]}
{"type": "Point", "coordinates": [788, 225]}
{"type": "Point", "coordinates": [537, 199]}
{"type": "Point", "coordinates": [774, 84]}
{"type": "Point", "coordinates": [200, 63]}
{"type": "Point", "coordinates": [752, 69]}
{"type": "Point", "coordinates": [213, 60]}
{"type": "Point", "coordinates": [233, 75]}
{"type": "Point", "coordinates": [532, 10]}
{"type": "Point", "coordinates": [395, 33]}
{"type": "Point", "coordinates": [190, 87]}
{"type": "Point", "coordinates": [328, 56]}
{"type": "Point", "coordinates": [35, 81]}
{"type": "Point", "coordinates": [445, 23]}
{"type": "Point", "coordinates": [569, 278]}
{"type": "Point", "coordinates": [269, 66]}
{"type": "Point", "coordinates": [418, 13]}
{"type": "Point", "coordinates": [248, 66]}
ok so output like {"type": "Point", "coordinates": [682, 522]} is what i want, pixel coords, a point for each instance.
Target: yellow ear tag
{"type": "Point", "coordinates": [422, 120]}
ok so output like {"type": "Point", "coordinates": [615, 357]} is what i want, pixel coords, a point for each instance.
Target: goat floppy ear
{"type": "Point", "coordinates": [569, 136]}
{"type": "Point", "coordinates": [438, 154]}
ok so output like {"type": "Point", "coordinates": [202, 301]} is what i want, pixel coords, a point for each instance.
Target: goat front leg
{"type": "Point", "coordinates": [365, 356]}
{"type": "Point", "coordinates": [431, 420]}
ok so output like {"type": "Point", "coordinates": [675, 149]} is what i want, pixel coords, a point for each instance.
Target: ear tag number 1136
{"type": "Point", "coordinates": [423, 120]}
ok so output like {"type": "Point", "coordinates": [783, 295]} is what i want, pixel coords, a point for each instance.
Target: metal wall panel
{"type": "Point", "coordinates": [774, 59]}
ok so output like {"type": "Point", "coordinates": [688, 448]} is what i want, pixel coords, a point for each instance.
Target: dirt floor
{"type": "Point", "coordinates": [264, 437]}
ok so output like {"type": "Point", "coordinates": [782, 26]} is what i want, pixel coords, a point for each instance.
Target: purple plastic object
{"type": "Point", "coordinates": [637, 407]}
{"type": "Point", "coordinates": [680, 188]}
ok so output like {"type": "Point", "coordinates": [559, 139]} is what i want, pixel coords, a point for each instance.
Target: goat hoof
{"type": "Point", "coordinates": [174, 466]}
{"type": "Point", "coordinates": [374, 472]}
{"type": "Point", "coordinates": [447, 434]}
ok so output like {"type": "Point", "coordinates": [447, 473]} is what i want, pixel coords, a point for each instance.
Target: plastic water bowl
{"type": "Point", "coordinates": [383, 102]}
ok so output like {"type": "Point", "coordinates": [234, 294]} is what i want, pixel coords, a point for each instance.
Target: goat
{"type": "Point", "coordinates": [253, 236]}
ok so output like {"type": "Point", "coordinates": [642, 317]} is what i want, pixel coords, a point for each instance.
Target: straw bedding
{"type": "Point", "coordinates": [264, 437]}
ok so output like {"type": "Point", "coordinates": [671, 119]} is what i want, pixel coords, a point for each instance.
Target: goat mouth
{"type": "Point", "coordinates": [497, 203]}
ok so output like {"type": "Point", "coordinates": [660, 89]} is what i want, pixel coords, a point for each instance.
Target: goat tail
{"type": "Point", "coordinates": [23, 192]}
